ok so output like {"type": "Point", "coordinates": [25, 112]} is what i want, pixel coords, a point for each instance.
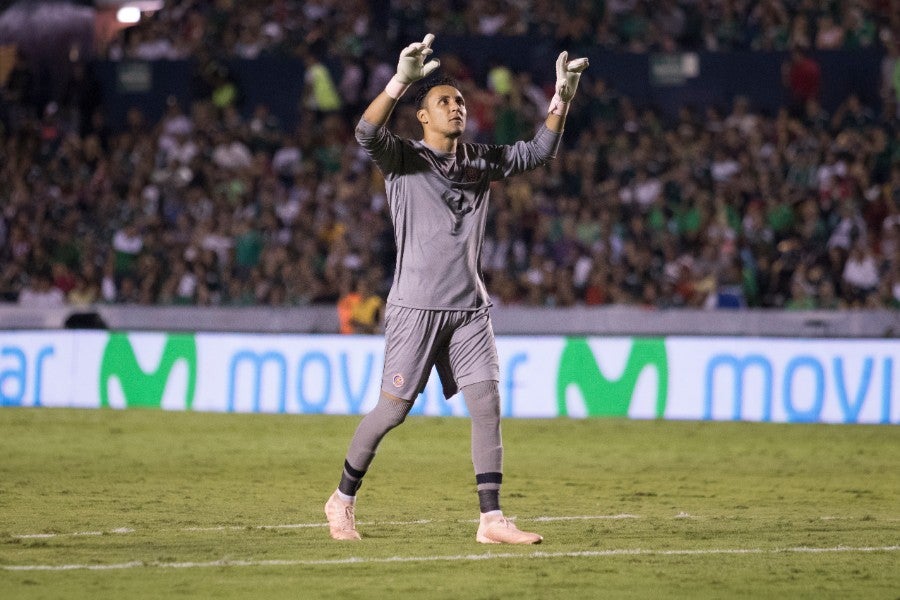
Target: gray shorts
{"type": "Point", "coordinates": [460, 343]}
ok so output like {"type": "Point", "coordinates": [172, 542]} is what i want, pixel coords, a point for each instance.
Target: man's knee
{"type": "Point", "coordinates": [391, 410]}
{"type": "Point", "coordinates": [483, 400]}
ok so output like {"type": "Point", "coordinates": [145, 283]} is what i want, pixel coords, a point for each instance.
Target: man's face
{"type": "Point", "coordinates": [444, 111]}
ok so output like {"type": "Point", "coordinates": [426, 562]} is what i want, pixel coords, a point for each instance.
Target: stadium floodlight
{"type": "Point", "coordinates": [128, 12]}
{"type": "Point", "coordinates": [128, 15]}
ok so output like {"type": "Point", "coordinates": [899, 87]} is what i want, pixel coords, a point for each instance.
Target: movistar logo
{"type": "Point", "coordinates": [142, 389]}
{"type": "Point", "coordinates": [604, 397]}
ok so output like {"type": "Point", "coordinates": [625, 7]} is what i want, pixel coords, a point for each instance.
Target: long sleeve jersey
{"type": "Point", "coordinates": [439, 205]}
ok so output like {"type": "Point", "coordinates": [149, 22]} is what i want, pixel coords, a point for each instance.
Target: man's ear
{"type": "Point", "coordinates": [422, 116]}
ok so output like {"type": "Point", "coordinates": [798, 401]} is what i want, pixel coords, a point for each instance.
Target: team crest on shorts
{"type": "Point", "coordinates": [398, 380]}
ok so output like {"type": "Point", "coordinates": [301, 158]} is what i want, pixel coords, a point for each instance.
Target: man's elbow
{"type": "Point", "coordinates": [365, 132]}
{"type": "Point", "coordinates": [361, 134]}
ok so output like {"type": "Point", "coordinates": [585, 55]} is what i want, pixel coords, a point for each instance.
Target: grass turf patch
{"type": "Point", "coordinates": [230, 506]}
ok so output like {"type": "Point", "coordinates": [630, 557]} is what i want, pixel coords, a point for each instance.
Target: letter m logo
{"type": "Point", "coordinates": [144, 389]}
{"type": "Point", "coordinates": [605, 397]}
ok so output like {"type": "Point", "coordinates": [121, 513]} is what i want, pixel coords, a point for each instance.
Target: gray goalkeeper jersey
{"type": "Point", "coordinates": [439, 204]}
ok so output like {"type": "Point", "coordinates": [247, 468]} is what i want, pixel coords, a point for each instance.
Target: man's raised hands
{"type": "Point", "coordinates": [412, 66]}
{"type": "Point", "coordinates": [568, 72]}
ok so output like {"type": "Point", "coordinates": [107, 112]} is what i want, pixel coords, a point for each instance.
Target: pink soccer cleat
{"type": "Point", "coordinates": [497, 529]}
{"type": "Point", "coordinates": [341, 518]}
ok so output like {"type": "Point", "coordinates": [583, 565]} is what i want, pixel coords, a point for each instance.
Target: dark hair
{"type": "Point", "coordinates": [430, 83]}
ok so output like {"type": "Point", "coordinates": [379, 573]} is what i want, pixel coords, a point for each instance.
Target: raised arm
{"type": "Point", "coordinates": [567, 75]}
{"type": "Point", "coordinates": [410, 68]}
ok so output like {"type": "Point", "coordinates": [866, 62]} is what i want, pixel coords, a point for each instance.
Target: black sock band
{"type": "Point", "coordinates": [355, 474]}
{"type": "Point", "coordinates": [351, 480]}
{"type": "Point", "coordinates": [481, 478]}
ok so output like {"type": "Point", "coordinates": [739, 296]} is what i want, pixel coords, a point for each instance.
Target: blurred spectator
{"type": "Point", "coordinates": [39, 292]}
{"type": "Point", "coordinates": [830, 35]}
{"type": "Point", "coordinates": [84, 293]}
{"type": "Point", "coordinates": [800, 297]}
{"type": "Point", "coordinates": [802, 77]}
{"type": "Point", "coordinates": [859, 26]}
{"type": "Point", "coordinates": [320, 93]}
{"type": "Point", "coordinates": [860, 272]}
{"type": "Point", "coordinates": [827, 296]}
{"type": "Point", "coordinates": [62, 278]}
{"type": "Point", "coordinates": [127, 244]}
{"type": "Point", "coordinates": [367, 314]}
{"type": "Point", "coordinates": [851, 114]}
{"type": "Point", "coordinates": [348, 300]}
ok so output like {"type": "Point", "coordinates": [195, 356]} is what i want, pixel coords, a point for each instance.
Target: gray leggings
{"type": "Point", "coordinates": [483, 402]}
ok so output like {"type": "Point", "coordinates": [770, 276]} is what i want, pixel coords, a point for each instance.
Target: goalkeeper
{"type": "Point", "coordinates": [437, 309]}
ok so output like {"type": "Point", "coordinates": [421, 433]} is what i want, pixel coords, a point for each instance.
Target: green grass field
{"type": "Point", "coordinates": [148, 504]}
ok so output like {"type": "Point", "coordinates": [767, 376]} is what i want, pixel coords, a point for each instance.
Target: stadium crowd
{"type": "Point", "coordinates": [726, 207]}
{"type": "Point", "coordinates": [249, 28]}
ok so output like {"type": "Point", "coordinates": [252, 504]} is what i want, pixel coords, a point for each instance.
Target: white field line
{"type": "Point", "coordinates": [582, 518]}
{"type": "Point", "coordinates": [125, 530]}
{"type": "Point", "coordinates": [29, 536]}
{"type": "Point", "coordinates": [450, 558]}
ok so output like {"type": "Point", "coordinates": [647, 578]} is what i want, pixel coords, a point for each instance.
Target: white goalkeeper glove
{"type": "Point", "coordinates": [567, 75]}
{"type": "Point", "coordinates": [412, 66]}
